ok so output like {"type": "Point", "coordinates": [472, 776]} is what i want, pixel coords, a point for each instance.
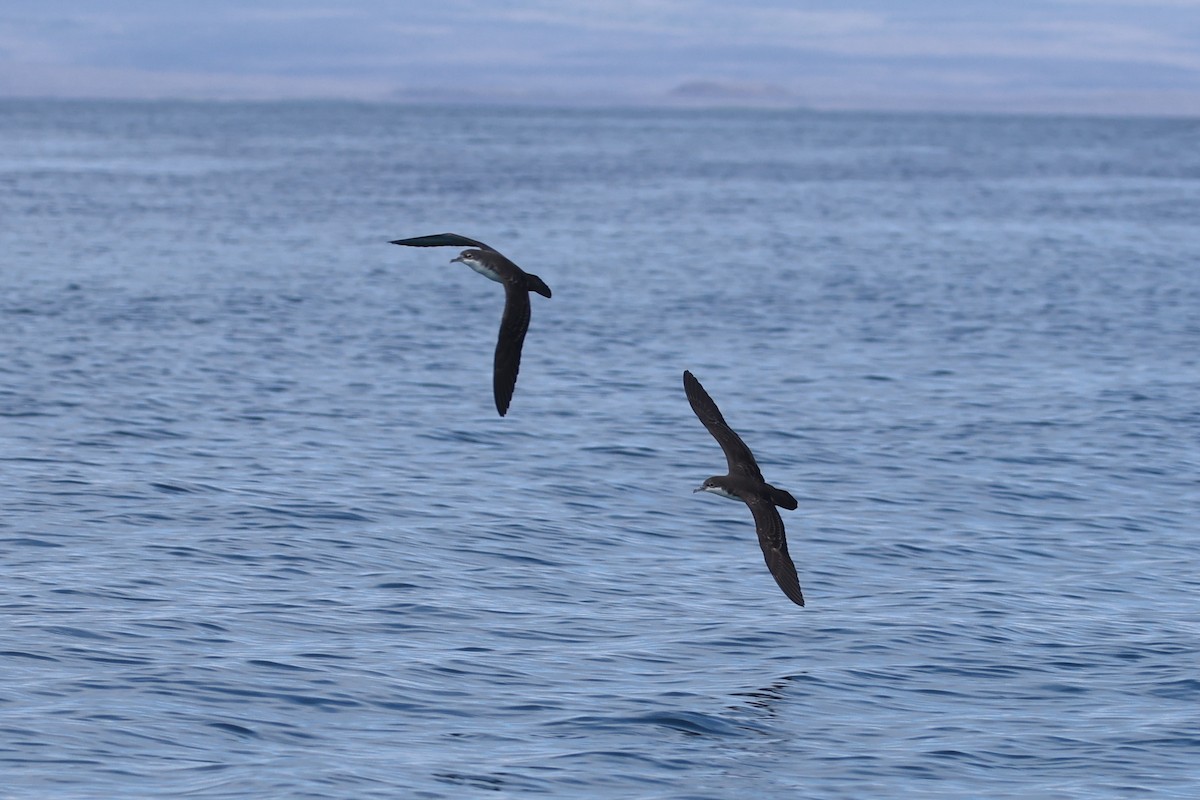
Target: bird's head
{"type": "Point", "coordinates": [716, 485]}
{"type": "Point", "coordinates": [468, 257]}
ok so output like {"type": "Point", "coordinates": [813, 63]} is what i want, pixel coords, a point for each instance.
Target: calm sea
{"type": "Point", "coordinates": [262, 533]}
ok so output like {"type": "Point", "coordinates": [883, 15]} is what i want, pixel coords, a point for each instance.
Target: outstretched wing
{"type": "Point", "coordinates": [741, 460]}
{"type": "Point", "coordinates": [771, 538]}
{"type": "Point", "coordinates": [513, 326]}
{"type": "Point", "coordinates": [442, 240]}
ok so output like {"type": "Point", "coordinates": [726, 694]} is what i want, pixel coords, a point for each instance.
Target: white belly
{"type": "Point", "coordinates": [719, 492]}
{"type": "Point", "coordinates": [485, 271]}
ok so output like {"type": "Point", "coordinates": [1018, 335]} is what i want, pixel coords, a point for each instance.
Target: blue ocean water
{"type": "Point", "coordinates": [264, 535]}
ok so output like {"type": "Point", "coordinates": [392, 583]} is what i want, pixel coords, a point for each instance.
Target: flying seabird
{"type": "Point", "coordinates": [745, 482]}
{"type": "Point", "coordinates": [489, 262]}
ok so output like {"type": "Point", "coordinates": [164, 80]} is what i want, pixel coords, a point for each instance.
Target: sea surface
{"type": "Point", "coordinates": [263, 534]}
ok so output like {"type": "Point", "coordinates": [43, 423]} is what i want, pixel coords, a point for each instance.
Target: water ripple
{"type": "Point", "coordinates": [265, 536]}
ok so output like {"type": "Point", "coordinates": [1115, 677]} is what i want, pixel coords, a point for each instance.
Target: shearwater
{"type": "Point", "coordinates": [745, 482]}
{"type": "Point", "coordinates": [491, 263]}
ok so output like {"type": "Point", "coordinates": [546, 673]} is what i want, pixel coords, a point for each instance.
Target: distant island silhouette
{"type": "Point", "coordinates": [714, 92]}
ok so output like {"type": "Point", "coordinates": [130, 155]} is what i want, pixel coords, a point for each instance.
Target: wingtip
{"type": "Point", "coordinates": [792, 592]}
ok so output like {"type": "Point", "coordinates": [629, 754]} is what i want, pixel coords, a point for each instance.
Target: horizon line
{"type": "Point", "coordinates": [549, 101]}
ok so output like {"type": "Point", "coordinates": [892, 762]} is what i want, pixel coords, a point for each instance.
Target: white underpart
{"type": "Point", "coordinates": [483, 270]}
{"type": "Point", "coordinates": [717, 490]}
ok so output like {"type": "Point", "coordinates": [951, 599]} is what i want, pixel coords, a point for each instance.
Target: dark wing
{"type": "Point", "coordinates": [513, 326]}
{"type": "Point", "coordinates": [741, 460]}
{"type": "Point", "coordinates": [442, 240]}
{"type": "Point", "coordinates": [774, 546]}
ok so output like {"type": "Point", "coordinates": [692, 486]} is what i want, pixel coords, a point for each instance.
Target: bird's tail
{"type": "Point", "coordinates": [535, 284]}
{"type": "Point", "coordinates": [782, 499]}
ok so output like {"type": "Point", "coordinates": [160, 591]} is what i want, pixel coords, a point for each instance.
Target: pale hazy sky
{"type": "Point", "coordinates": [1118, 56]}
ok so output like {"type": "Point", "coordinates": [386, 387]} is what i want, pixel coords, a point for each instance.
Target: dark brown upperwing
{"type": "Point", "coordinates": [771, 538]}
{"type": "Point", "coordinates": [741, 460]}
{"type": "Point", "coordinates": [443, 240]}
{"type": "Point", "coordinates": [513, 326]}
